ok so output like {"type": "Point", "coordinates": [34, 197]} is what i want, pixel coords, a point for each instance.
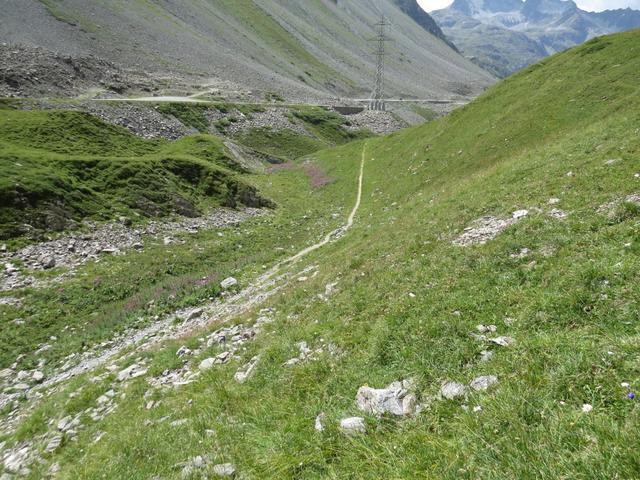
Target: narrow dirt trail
{"type": "Point", "coordinates": [219, 311]}
{"type": "Point", "coordinates": [338, 232]}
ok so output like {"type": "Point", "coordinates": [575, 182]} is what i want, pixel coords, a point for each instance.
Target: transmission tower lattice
{"type": "Point", "coordinates": [377, 97]}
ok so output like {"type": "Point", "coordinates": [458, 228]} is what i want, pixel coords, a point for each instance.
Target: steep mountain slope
{"type": "Point", "coordinates": [301, 49]}
{"type": "Point", "coordinates": [422, 18]}
{"type": "Point", "coordinates": [497, 247]}
{"type": "Point", "coordinates": [504, 36]}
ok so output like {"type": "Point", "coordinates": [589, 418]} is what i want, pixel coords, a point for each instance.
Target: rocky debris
{"type": "Point", "coordinates": [487, 328]}
{"type": "Point", "coordinates": [503, 341]}
{"type": "Point", "coordinates": [28, 71]}
{"type": "Point", "coordinates": [183, 351]}
{"type": "Point", "coordinates": [353, 425]}
{"type": "Point", "coordinates": [194, 464]}
{"type": "Point", "coordinates": [75, 249]}
{"type": "Point", "coordinates": [219, 359]}
{"type": "Point", "coordinates": [329, 289]}
{"type": "Point", "coordinates": [558, 214]}
{"type": "Point", "coordinates": [106, 398]}
{"type": "Point", "coordinates": [17, 459]}
{"type": "Point", "coordinates": [246, 371]}
{"type": "Point", "coordinates": [207, 363]}
{"type": "Point", "coordinates": [11, 301]}
{"type": "Point", "coordinates": [273, 118]}
{"type": "Point", "coordinates": [523, 253]}
{"type": "Point", "coordinates": [380, 123]}
{"type": "Point", "coordinates": [394, 399]}
{"type": "Point", "coordinates": [143, 121]}
{"type": "Point", "coordinates": [486, 355]}
{"type": "Point", "coordinates": [176, 378]}
{"type": "Point", "coordinates": [305, 351]}
{"type": "Point", "coordinates": [134, 371]}
{"type": "Point", "coordinates": [228, 283]}
{"type": "Point", "coordinates": [67, 423]}
{"type": "Point", "coordinates": [193, 314]}
{"type": "Point", "coordinates": [452, 390]}
{"type": "Point", "coordinates": [634, 199]}
{"type": "Point", "coordinates": [586, 408]}
{"type": "Point", "coordinates": [609, 208]}
{"type": "Point", "coordinates": [487, 228]}
{"type": "Point", "coordinates": [37, 376]}
{"type": "Point", "coordinates": [235, 335]}
{"type": "Point", "coordinates": [168, 328]}
{"type": "Point", "coordinates": [483, 383]}
{"type": "Point", "coordinates": [224, 470]}
{"type": "Point", "coordinates": [201, 465]}
{"type": "Point", "coordinates": [54, 444]}
{"type": "Point", "coordinates": [47, 262]}
{"type": "Point", "coordinates": [319, 422]}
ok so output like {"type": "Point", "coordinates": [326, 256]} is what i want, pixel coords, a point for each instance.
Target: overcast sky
{"type": "Point", "coordinates": [591, 5]}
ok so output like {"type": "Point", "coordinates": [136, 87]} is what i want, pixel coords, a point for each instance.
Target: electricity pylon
{"type": "Point", "coordinates": [377, 97]}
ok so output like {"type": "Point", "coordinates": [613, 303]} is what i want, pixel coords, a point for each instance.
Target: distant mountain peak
{"type": "Point", "coordinates": [537, 9]}
{"type": "Point", "coordinates": [473, 7]}
{"type": "Point", "coordinates": [504, 36]}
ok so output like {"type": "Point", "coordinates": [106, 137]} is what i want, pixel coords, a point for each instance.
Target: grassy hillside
{"type": "Point", "coordinates": [407, 299]}
{"type": "Point", "coordinates": [61, 166]}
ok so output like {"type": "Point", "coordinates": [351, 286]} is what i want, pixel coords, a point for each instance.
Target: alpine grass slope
{"type": "Point", "coordinates": [401, 296]}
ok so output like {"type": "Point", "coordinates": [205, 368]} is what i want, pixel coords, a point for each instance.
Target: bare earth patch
{"type": "Point", "coordinates": [317, 176]}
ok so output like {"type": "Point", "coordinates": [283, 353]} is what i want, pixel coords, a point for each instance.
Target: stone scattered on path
{"type": "Point", "coordinates": [353, 425]}
{"type": "Point", "coordinates": [483, 383]}
{"type": "Point", "coordinates": [453, 390]}
{"type": "Point", "coordinates": [394, 399]}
